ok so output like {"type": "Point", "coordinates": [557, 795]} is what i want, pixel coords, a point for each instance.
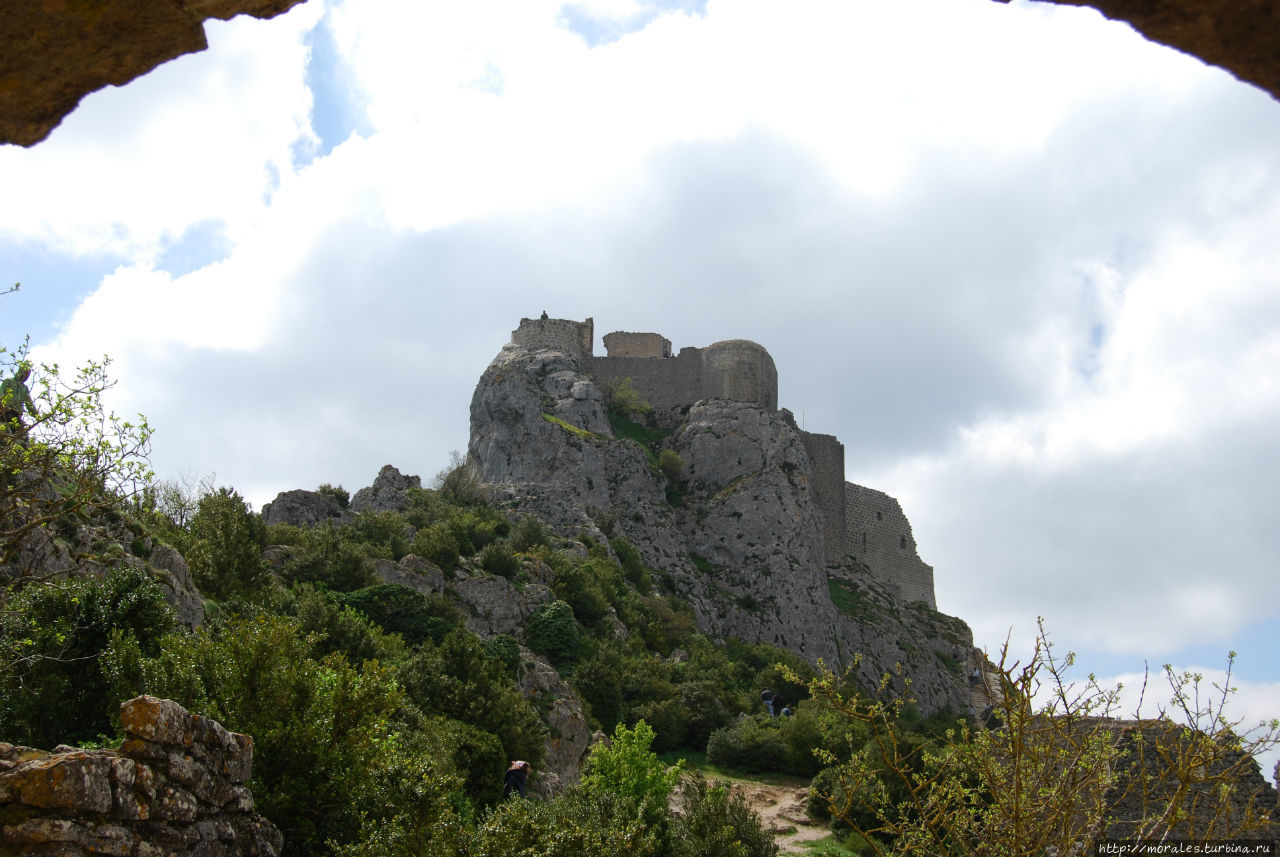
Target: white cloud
{"type": "Point", "coordinates": [203, 135]}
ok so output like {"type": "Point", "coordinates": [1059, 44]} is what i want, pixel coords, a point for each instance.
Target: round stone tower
{"type": "Point", "coordinates": [741, 370]}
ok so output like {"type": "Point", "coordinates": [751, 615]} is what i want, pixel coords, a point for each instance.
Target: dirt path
{"type": "Point", "coordinates": [782, 808]}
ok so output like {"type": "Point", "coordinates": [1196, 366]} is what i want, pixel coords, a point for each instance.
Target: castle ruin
{"type": "Point", "coordinates": [858, 522]}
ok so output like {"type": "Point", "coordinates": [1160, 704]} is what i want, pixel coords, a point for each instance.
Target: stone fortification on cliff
{"type": "Point", "coordinates": [858, 523]}
{"type": "Point", "coordinates": [758, 533]}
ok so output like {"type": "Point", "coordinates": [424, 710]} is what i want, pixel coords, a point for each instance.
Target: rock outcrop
{"type": "Point", "coordinates": [304, 509]}
{"type": "Point", "coordinates": [176, 786]}
{"type": "Point", "coordinates": [387, 493]}
{"type": "Point", "coordinates": [53, 54]}
{"type": "Point", "coordinates": [739, 535]}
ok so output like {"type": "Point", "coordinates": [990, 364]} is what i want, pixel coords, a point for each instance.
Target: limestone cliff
{"type": "Point", "coordinates": [740, 535]}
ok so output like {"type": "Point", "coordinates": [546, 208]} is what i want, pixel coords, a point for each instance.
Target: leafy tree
{"type": "Point", "coordinates": [580, 822]}
{"type": "Point", "coordinates": [64, 458]}
{"type": "Point", "coordinates": [460, 679]}
{"type": "Point", "coordinates": [1057, 771]}
{"type": "Point", "coordinates": [623, 397]}
{"type": "Point", "coordinates": [321, 728]}
{"type": "Point", "coordinates": [53, 686]}
{"type": "Point", "coordinates": [628, 770]}
{"type": "Point", "coordinates": [226, 547]}
{"type": "Point", "coordinates": [170, 505]}
{"type": "Point", "coordinates": [325, 557]}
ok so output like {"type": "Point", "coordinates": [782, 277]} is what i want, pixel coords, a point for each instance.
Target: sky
{"type": "Point", "coordinates": [1019, 260]}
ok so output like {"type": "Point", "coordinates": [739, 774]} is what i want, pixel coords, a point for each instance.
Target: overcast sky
{"type": "Point", "coordinates": [1022, 262]}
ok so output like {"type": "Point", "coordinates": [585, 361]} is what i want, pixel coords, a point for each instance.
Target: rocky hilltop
{"type": "Point", "coordinates": [747, 516]}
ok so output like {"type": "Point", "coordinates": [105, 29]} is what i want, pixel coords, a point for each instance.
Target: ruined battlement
{"type": "Point", "coordinates": [575, 338]}
{"type": "Point", "coordinates": [623, 344]}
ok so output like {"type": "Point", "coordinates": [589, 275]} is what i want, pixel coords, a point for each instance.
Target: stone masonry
{"type": "Point", "coordinates": [176, 786]}
{"type": "Point", "coordinates": [858, 522]}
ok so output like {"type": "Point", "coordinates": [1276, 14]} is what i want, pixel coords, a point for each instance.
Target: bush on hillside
{"type": "Point", "coordinates": [54, 686]}
{"type": "Point", "coordinates": [553, 632]}
{"type": "Point", "coordinates": [226, 547]}
{"type": "Point", "coordinates": [398, 609]}
{"type": "Point", "coordinates": [498, 558]}
{"type": "Point", "coordinates": [753, 744]}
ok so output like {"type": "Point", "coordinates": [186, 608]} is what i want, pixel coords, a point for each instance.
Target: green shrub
{"type": "Point", "coordinates": [504, 648]}
{"type": "Point", "coordinates": [553, 632]}
{"type": "Point", "coordinates": [379, 529]}
{"type": "Point", "coordinates": [578, 586]}
{"type": "Point", "coordinates": [499, 559]}
{"type": "Point", "coordinates": [598, 680]}
{"type": "Point", "coordinates": [671, 465]}
{"type": "Point", "coordinates": [56, 688]}
{"type": "Point", "coordinates": [623, 398]}
{"type": "Point", "coordinates": [337, 492]}
{"type": "Point", "coordinates": [320, 727]}
{"type": "Point", "coordinates": [628, 769]}
{"type": "Point", "coordinates": [460, 679]}
{"type": "Point", "coordinates": [579, 823]}
{"type": "Point", "coordinates": [285, 534]}
{"type": "Point", "coordinates": [528, 534]}
{"type": "Point", "coordinates": [324, 557]}
{"type": "Point", "coordinates": [633, 567]}
{"type": "Point", "coordinates": [437, 545]}
{"type": "Point", "coordinates": [718, 823]}
{"type": "Point", "coordinates": [226, 547]}
{"type": "Point", "coordinates": [400, 610]}
{"type": "Point", "coordinates": [752, 744]}
{"type": "Point", "coordinates": [338, 628]}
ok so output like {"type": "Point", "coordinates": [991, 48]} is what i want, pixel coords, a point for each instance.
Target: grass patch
{"type": "Point", "coordinates": [650, 437]}
{"type": "Point", "coordinates": [572, 429]}
{"type": "Point", "coordinates": [703, 565]}
{"type": "Point", "coordinates": [848, 599]}
{"type": "Point", "coordinates": [829, 846]}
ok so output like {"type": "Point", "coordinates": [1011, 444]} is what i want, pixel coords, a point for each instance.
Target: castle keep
{"type": "Point", "coordinates": [859, 522]}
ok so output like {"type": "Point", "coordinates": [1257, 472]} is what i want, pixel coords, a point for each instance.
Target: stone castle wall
{"type": "Point", "coordinates": [176, 786]}
{"type": "Point", "coordinates": [665, 383]}
{"type": "Point", "coordinates": [826, 458]}
{"type": "Point", "coordinates": [623, 344]}
{"type": "Point", "coordinates": [740, 370]}
{"type": "Point", "coordinates": [737, 369]}
{"type": "Point", "coordinates": [575, 338]}
{"type": "Point", "coordinates": [878, 534]}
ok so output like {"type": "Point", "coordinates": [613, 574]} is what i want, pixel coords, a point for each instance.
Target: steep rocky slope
{"type": "Point", "coordinates": [740, 536]}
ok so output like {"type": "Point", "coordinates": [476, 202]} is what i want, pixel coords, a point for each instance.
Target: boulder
{"type": "Point", "coordinates": [387, 494]}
